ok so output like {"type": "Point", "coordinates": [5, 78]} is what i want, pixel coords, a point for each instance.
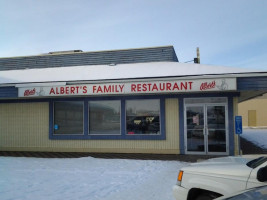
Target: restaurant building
{"type": "Point", "coordinates": [121, 101]}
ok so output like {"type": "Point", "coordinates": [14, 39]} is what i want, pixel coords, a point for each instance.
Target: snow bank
{"type": "Point", "coordinates": [86, 179]}
{"type": "Point", "coordinates": [256, 136]}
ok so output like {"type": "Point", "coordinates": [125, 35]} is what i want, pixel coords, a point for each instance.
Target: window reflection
{"type": "Point", "coordinates": [143, 116]}
{"type": "Point", "coordinates": [68, 117]}
{"type": "Point", "coordinates": [104, 117]}
{"type": "Point", "coordinates": [216, 117]}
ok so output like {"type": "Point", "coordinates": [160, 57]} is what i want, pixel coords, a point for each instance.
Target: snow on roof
{"type": "Point", "coordinates": [115, 72]}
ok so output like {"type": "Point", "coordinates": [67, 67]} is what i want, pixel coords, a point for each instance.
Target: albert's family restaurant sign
{"type": "Point", "coordinates": [149, 87]}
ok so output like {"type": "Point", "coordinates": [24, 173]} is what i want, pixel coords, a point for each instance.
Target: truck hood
{"type": "Point", "coordinates": [228, 159]}
{"type": "Point", "coordinates": [225, 166]}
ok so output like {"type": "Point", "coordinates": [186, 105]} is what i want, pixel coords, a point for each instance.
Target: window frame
{"type": "Point", "coordinates": [123, 134]}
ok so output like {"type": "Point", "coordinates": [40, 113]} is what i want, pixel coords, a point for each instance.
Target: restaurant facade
{"type": "Point", "coordinates": [139, 101]}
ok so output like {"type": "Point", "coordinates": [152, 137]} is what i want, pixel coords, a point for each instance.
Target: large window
{"type": "Point", "coordinates": [68, 117]}
{"type": "Point", "coordinates": [112, 118]}
{"type": "Point", "coordinates": [104, 117]}
{"type": "Point", "coordinates": [143, 116]}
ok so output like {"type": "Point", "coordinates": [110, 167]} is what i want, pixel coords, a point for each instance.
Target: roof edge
{"type": "Point", "coordinates": [100, 51]}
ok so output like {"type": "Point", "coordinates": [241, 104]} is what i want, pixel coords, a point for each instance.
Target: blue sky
{"type": "Point", "coordinates": [228, 32]}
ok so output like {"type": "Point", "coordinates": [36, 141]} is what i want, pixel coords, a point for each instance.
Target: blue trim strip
{"type": "Point", "coordinates": [85, 118]}
{"type": "Point", "coordinates": [162, 119]}
{"type": "Point", "coordinates": [8, 92]}
{"type": "Point", "coordinates": [252, 83]}
{"type": "Point", "coordinates": [123, 119]}
{"type": "Point", "coordinates": [231, 126]}
{"type": "Point", "coordinates": [197, 95]}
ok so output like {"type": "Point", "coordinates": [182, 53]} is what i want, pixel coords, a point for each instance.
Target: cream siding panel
{"type": "Point", "coordinates": [252, 118]}
{"type": "Point", "coordinates": [260, 105]}
{"type": "Point", "coordinates": [172, 123]}
{"type": "Point", "coordinates": [25, 127]}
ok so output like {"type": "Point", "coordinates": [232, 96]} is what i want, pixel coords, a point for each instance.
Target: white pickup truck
{"type": "Point", "coordinates": [219, 177]}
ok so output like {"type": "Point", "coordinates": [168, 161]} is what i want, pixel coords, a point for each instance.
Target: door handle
{"type": "Point", "coordinates": [206, 130]}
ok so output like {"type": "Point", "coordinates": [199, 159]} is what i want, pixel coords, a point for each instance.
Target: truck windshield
{"type": "Point", "coordinates": [256, 162]}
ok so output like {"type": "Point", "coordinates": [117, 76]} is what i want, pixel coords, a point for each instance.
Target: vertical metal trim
{"type": "Point", "coordinates": [123, 119]}
{"type": "Point", "coordinates": [162, 118]}
{"type": "Point", "coordinates": [86, 117]}
{"type": "Point", "coordinates": [231, 126]}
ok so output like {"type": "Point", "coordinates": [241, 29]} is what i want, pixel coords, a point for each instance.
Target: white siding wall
{"type": "Point", "coordinates": [25, 127]}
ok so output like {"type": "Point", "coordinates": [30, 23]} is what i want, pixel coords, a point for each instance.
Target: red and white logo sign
{"type": "Point", "coordinates": [207, 85]}
{"type": "Point", "coordinates": [29, 92]}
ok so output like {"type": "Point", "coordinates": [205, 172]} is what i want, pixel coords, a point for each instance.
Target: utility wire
{"type": "Point", "coordinates": [189, 61]}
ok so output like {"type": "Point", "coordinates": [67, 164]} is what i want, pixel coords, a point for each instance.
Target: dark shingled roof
{"type": "Point", "coordinates": [79, 58]}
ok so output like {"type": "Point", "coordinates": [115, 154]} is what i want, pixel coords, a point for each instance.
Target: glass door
{"type": "Point", "coordinates": [206, 128]}
{"type": "Point", "coordinates": [216, 128]}
{"type": "Point", "coordinates": [195, 129]}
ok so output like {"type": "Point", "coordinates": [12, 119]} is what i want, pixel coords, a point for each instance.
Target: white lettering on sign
{"type": "Point", "coordinates": [149, 87]}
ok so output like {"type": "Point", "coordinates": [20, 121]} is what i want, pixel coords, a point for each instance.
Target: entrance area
{"type": "Point", "coordinates": [206, 125]}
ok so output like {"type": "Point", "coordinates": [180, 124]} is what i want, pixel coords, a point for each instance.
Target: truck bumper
{"type": "Point", "coordinates": [179, 192]}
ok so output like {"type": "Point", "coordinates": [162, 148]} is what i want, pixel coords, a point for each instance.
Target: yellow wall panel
{"type": "Point", "coordinates": [252, 118]}
{"type": "Point", "coordinates": [260, 107]}
{"type": "Point", "coordinates": [25, 127]}
{"type": "Point", "coordinates": [172, 123]}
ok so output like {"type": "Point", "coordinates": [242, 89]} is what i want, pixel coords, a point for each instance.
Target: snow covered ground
{"type": "Point", "coordinates": [86, 179]}
{"type": "Point", "coordinates": [94, 179]}
{"type": "Point", "coordinates": [256, 136]}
